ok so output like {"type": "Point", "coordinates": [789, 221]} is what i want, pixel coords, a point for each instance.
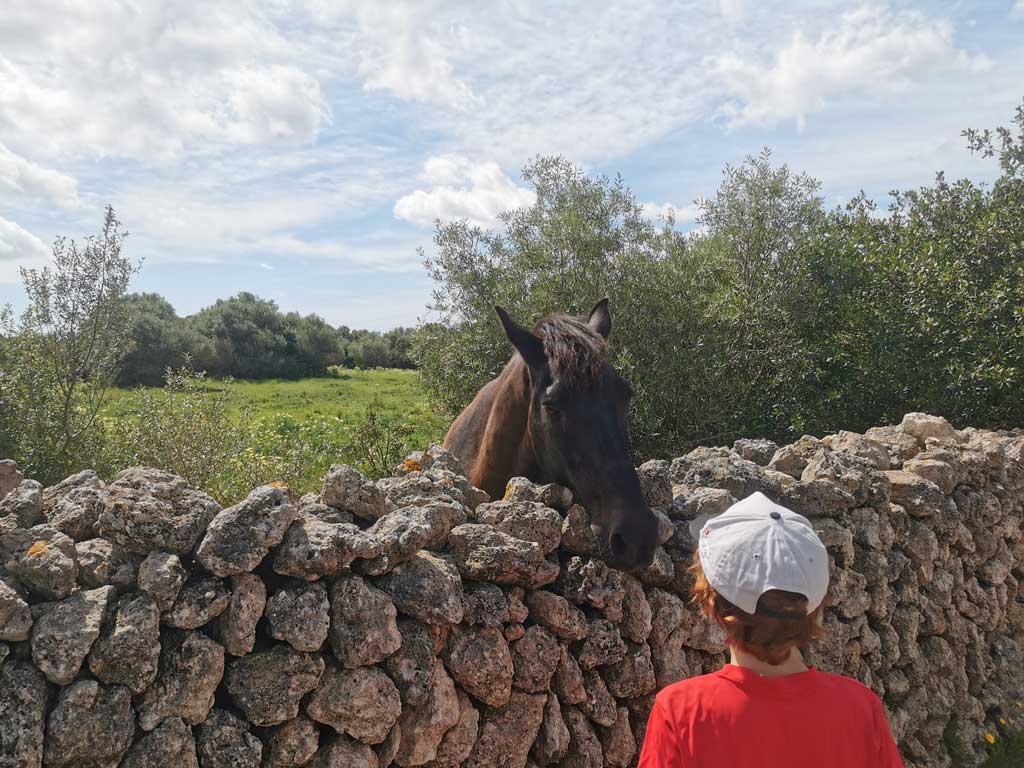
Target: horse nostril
{"type": "Point", "coordinates": [617, 545]}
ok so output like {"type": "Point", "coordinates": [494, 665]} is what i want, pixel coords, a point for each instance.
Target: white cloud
{"type": "Point", "coordinates": [869, 49]}
{"type": "Point", "coordinates": [462, 189]}
{"type": "Point", "coordinates": [19, 245]}
{"type": "Point", "coordinates": [683, 214]}
{"type": "Point", "coordinates": [20, 177]}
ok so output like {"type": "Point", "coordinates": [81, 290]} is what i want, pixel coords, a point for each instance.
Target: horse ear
{"type": "Point", "coordinates": [600, 319]}
{"type": "Point", "coordinates": [528, 345]}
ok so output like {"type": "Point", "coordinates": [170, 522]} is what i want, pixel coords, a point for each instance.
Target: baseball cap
{"type": "Point", "coordinates": [757, 545]}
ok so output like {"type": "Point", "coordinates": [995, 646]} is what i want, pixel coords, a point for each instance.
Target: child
{"type": "Point", "coordinates": [761, 572]}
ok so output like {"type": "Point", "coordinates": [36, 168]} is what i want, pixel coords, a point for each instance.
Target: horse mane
{"type": "Point", "coordinates": [576, 353]}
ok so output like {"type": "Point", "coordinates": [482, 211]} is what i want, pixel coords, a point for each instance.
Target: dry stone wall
{"type": "Point", "coordinates": [415, 622]}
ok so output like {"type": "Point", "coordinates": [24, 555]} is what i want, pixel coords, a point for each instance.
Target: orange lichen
{"type": "Point", "coordinates": [411, 465]}
{"type": "Point", "coordinates": [38, 549]}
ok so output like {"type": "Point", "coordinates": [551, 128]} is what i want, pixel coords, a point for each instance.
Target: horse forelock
{"type": "Point", "coordinates": [576, 353]}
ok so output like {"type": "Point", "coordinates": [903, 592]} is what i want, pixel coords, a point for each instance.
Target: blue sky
{"type": "Point", "coordinates": [302, 150]}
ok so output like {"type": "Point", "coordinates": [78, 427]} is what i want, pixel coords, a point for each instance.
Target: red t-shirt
{"type": "Point", "coordinates": [735, 718]}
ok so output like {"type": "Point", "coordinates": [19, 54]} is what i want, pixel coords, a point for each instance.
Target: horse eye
{"type": "Point", "coordinates": [550, 406]}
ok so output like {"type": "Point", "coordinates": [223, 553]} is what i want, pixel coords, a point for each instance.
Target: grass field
{"type": "Point", "coordinates": [294, 430]}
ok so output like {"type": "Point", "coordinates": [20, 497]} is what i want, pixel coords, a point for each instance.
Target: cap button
{"type": "Point", "coordinates": [774, 515]}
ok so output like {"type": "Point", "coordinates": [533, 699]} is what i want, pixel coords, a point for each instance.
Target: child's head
{"type": "Point", "coordinates": [761, 573]}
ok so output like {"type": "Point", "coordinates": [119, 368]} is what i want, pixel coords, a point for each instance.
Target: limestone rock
{"type": "Point", "coordinates": [343, 752]}
{"type": "Point", "coordinates": [22, 714]}
{"type": "Point", "coordinates": [874, 452]}
{"type": "Point", "coordinates": [404, 532]}
{"type": "Point", "coordinates": [23, 504]}
{"type": "Point", "coordinates": [939, 472]}
{"type": "Point", "coordinates": [507, 733]}
{"type": "Point", "coordinates": [484, 553]}
{"type": "Point", "coordinates": [239, 537]}
{"type": "Point", "coordinates": [101, 564]}
{"type": "Point", "coordinates": [584, 747]}
{"type": "Point", "coordinates": [127, 651]}
{"type": "Point", "coordinates": [15, 615]}
{"type": "Point", "coordinates": [604, 645]}
{"type": "Point", "coordinates": [578, 534]}
{"type": "Point", "coordinates": [224, 741]}
{"type": "Point", "coordinates": [10, 476]}
{"type": "Point", "coordinates": [550, 495]}
{"type": "Point", "coordinates": [360, 702]}
{"type": "Point", "coordinates": [424, 725]}
{"type": "Point", "coordinates": [237, 624]}
{"type": "Point", "coordinates": [162, 576]}
{"type": "Point", "coordinates": [73, 505]}
{"type": "Point", "coordinates": [363, 627]}
{"type": "Point", "coordinates": [636, 611]}
{"type": "Point", "coordinates": [721, 468]}
{"type": "Point", "coordinates": [699, 503]}
{"type": "Point", "coordinates": [292, 744]}
{"type": "Point", "coordinates": [525, 520]}
{"type": "Point", "coordinates": [346, 489]}
{"type": "Point", "coordinates": [312, 549]}
{"type": "Point", "coordinates": [64, 632]}
{"type": "Point", "coordinates": [480, 661]}
{"type": "Point", "coordinates": [299, 614]}
{"type": "Point", "coordinates": [201, 599]}
{"type": "Point", "coordinates": [552, 742]}
{"type": "Point", "coordinates": [919, 497]}
{"type": "Point", "coordinates": [170, 744]}
{"type": "Point", "coordinates": [149, 509]}
{"type": "Point", "coordinates": [42, 559]}
{"type": "Point", "coordinates": [617, 741]}
{"type": "Point", "coordinates": [458, 742]}
{"type": "Point", "coordinates": [268, 685]}
{"type": "Point", "coordinates": [758, 450]}
{"type": "Point", "coordinates": [599, 705]}
{"type": "Point", "coordinates": [633, 675]}
{"type": "Point", "coordinates": [91, 726]}
{"type": "Point", "coordinates": [484, 604]}
{"type": "Point", "coordinates": [426, 587]}
{"type": "Point", "coordinates": [191, 668]}
{"type": "Point", "coordinates": [923, 426]}
{"type": "Point", "coordinates": [411, 667]}
{"type": "Point", "coordinates": [557, 614]}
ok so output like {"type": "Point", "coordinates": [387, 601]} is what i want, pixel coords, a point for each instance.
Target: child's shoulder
{"type": "Point", "coordinates": [690, 687]}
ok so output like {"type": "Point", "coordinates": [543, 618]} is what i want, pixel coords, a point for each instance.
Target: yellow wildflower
{"type": "Point", "coordinates": [990, 738]}
{"type": "Point", "coordinates": [1002, 721]}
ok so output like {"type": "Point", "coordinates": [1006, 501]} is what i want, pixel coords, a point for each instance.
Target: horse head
{"type": "Point", "coordinates": [577, 427]}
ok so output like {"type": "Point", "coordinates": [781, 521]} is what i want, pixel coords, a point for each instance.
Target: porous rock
{"type": "Point", "coordinates": [237, 624]}
{"type": "Point", "coordinates": [481, 663]}
{"type": "Point", "coordinates": [10, 476]}
{"type": "Point", "coordinates": [191, 668]}
{"type": "Point", "coordinates": [201, 599]}
{"type": "Point", "coordinates": [91, 726]}
{"type": "Point", "coordinates": [162, 576]}
{"type": "Point", "coordinates": [426, 587]}
{"type": "Point", "coordinates": [15, 614]}
{"type": "Point", "coordinates": [534, 658]}
{"type": "Point", "coordinates": [363, 622]}
{"type": "Point", "coordinates": [312, 548]}
{"type": "Point", "coordinates": [292, 744]}
{"type": "Point", "coordinates": [268, 685]}
{"type": "Point", "coordinates": [149, 509]}
{"type": "Point", "coordinates": [507, 732]}
{"type": "Point", "coordinates": [239, 537]}
{"type": "Point", "coordinates": [73, 505]}
{"type": "Point", "coordinates": [411, 667]}
{"type": "Point", "coordinates": [617, 741]}
{"type": "Point", "coordinates": [759, 450]}
{"type": "Point", "coordinates": [224, 741]}
{"type": "Point", "coordinates": [525, 520]}
{"type": "Point", "coordinates": [170, 744]}
{"type": "Point", "coordinates": [484, 553]}
{"type": "Point", "coordinates": [556, 613]}
{"type": "Point", "coordinates": [552, 741]}
{"type": "Point", "coordinates": [127, 652]}
{"type": "Point", "coordinates": [64, 632]}
{"type": "Point", "coordinates": [484, 604]}
{"type": "Point", "coordinates": [22, 714]}
{"type": "Point", "coordinates": [101, 564]}
{"type": "Point", "coordinates": [23, 504]}
{"type": "Point", "coordinates": [360, 702]}
{"type": "Point", "coordinates": [423, 725]}
{"type": "Point", "coordinates": [549, 494]}
{"type": "Point", "coordinates": [404, 532]}
{"type": "Point", "coordinates": [584, 747]}
{"type": "Point", "coordinates": [346, 489]}
{"type": "Point", "coordinates": [458, 741]}
{"type": "Point", "coordinates": [299, 614]}
{"type": "Point", "coordinates": [343, 752]}
{"type": "Point", "coordinates": [42, 559]}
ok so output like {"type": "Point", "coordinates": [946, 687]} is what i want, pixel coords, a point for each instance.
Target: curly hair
{"type": "Point", "coordinates": [780, 623]}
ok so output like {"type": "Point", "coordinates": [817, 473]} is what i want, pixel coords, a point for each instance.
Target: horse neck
{"type": "Point", "coordinates": [506, 451]}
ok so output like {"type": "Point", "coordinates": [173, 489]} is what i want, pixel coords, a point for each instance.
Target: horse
{"type": "Point", "coordinates": [557, 413]}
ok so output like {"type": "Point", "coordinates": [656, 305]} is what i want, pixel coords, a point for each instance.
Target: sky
{"type": "Point", "coordinates": [303, 150]}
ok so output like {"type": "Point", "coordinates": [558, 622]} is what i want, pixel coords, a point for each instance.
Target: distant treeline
{"type": "Point", "coordinates": [249, 338]}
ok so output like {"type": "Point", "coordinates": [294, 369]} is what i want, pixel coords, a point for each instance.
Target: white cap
{"type": "Point", "coordinates": [757, 545]}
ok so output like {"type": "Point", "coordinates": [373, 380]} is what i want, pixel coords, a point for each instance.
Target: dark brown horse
{"type": "Point", "coordinates": [557, 413]}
